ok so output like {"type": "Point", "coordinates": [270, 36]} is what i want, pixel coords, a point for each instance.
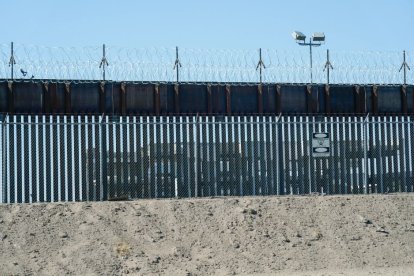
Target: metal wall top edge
{"type": "Point", "coordinates": [200, 83]}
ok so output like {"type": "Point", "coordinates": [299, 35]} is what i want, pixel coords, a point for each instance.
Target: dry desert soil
{"type": "Point", "coordinates": [301, 235]}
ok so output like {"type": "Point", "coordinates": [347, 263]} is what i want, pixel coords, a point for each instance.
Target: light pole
{"type": "Point", "coordinates": [315, 41]}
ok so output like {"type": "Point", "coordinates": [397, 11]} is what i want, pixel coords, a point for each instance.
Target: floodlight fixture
{"type": "Point", "coordinates": [316, 40]}
{"type": "Point", "coordinates": [298, 35]}
{"type": "Point", "coordinates": [318, 37]}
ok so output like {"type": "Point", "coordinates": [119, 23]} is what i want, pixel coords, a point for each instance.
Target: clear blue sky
{"type": "Point", "coordinates": [232, 24]}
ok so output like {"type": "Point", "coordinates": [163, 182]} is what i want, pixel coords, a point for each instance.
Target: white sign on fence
{"type": "Point", "coordinates": [321, 144]}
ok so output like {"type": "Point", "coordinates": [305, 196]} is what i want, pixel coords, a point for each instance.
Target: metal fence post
{"type": "Point", "coordinates": [279, 184]}
{"type": "Point", "coordinates": [196, 156]}
{"type": "Point", "coordinates": [104, 62]}
{"type": "Point", "coordinates": [404, 66]}
{"type": "Point", "coordinates": [103, 159]}
{"type": "Point", "coordinates": [12, 61]}
{"type": "Point", "coordinates": [365, 125]}
{"type": "Point", "coordinates": [328, 66]}
{"type": "Point", "coordinates": [2, 148]}
{"type": "Point", "coordinates": [260, 64]}
{"type": "Point", "coordinates": [177, 64]}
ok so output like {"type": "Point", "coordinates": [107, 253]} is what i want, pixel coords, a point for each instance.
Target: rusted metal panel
{"type": "Point", "coordinates": [243, 99]}
{"type": "Point", "coordinates": [219, 99]}
{"type": "Point", "coordinates": [368, 89]}
{"type": "Point", "coordinates": [51, 97]}
{"type": "Point", "coordinates": [389, 99]}
{"type": "Point", "coordinates": [193, 99]}
{"type": "Point", "coordinates": [27, 97]}
{"type": "Point", "coordinates": [4, 94]}
{"type": "Point", "coordinates": [269, 99]}
{"type": "Point", "coordinates": [294, 99]}
{"type": "Point", "coordinates": [113, 98]}
{"type": "Point", "coordinates": [342, 99]}
{"type": "Point", "coordinates": [167, 95]}
{"type": "Point", "coordinates": [317, 98]}
{"type": "Point", "coordinates": [138, 99]}
{"type": "Point", "coordinates": [57, 92]}
{"type": "Point", "coordinates": [85, 98]}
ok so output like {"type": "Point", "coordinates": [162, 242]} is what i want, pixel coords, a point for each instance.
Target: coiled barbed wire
{"type": "Point", "coordinates": [202, 66]}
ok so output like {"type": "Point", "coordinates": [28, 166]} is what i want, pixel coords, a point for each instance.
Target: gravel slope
{"type": "Point", "coordinates": [309, 235]}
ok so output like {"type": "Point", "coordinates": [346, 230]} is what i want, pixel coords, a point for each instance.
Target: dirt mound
{"type": "Point", "coordinates": [311, 235]}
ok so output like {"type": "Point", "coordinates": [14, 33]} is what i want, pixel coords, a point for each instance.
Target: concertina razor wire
{"type": "Point", "coordinates": [201, 66]}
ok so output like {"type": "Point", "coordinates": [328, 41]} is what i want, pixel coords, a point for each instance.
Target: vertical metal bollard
{"type": "Point", "coordinates": [196, 156]}
{"type": "Point", "coordinates": [2, 147]}
{"type": "Point", "coordinates": [365, 125]}
{"type": "Point", "coordinates": [103, 160]}
{"type": "Point", "coordinates": [279, 157]}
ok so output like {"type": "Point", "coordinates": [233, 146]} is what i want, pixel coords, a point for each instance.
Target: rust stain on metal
{"type": "Point", "coordinates": [327, 99]}
{"type": "Point", "coordinates": [102, 86]}
{"type": "Point", "coordinates": [327, 87]}
{"type": "Point", "coordinates": [157, 102]}
{"type": "Point", "coordinates": [68, 102]}
{"type": "Point", "coordinates": [176, 98]}
{"type": "Point", "coordinates": [404, 102]}
{"type": "Point", "coordinates": [260, 98]}
{"type": "Point", "coordinates": [278, 98]}
{"type": "Point", "coordinates": [209, 100]}
{"type": "Point", "coordinates": [309, 89]}
{"type": "Point", "coordinates": [228, 99]}
{"type": "Point", "coordinates": [375, 90]}
{"type": "Point", "coordinates": [123, 98]}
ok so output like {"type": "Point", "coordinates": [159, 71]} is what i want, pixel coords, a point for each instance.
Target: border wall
{"type": "Point", "coordinates": [78, 158]}
{"type": "Point", "coordinates": [39, 97]}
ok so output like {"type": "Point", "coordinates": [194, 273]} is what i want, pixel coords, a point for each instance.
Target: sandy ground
{"type": "Point", "coordinates": [309, 235]}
